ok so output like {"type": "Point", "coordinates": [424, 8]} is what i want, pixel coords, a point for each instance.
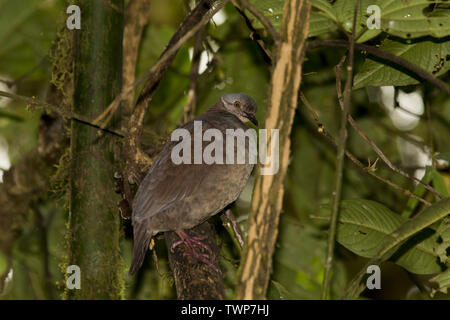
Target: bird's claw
{"type": "Point", "coordinates": [191, 243]}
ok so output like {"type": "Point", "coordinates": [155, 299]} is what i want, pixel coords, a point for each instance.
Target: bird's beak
{"type": "Point", "coordinates": [252, 118]}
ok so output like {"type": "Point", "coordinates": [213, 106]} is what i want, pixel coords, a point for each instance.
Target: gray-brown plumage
{"type": "Point", "coordinates": [174, 197]}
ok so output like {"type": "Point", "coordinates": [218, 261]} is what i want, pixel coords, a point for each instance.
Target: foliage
{"type": "Point", "coordinates": [372, 212]}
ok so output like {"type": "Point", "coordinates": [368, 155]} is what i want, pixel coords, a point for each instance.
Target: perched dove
{"type": "Point", "coordinates": [175, 197]}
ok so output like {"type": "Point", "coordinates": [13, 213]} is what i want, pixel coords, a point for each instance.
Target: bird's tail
{"type": "Point", "coordinates": [141, 241]}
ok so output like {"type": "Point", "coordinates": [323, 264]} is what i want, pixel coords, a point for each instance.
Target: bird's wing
{"type": "Point", "coordinates": [167, 183]}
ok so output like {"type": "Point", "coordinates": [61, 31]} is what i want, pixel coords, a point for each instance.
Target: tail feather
{"type": "Point", "coordinates": [141, 241]}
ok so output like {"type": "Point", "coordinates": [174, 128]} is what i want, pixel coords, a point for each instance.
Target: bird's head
{"type": "Point", "coordinates": [241, 105]}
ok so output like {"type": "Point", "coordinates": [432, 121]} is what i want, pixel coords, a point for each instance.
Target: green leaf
{"type": "Point", "coordinates": [325, 8]}
{"type": "Point", "coordinates": [319, 24]}
{"type": "Point", "coordinates": [391, 243]}
{"type": "Point", "coordinates": [283, 293]}
{"type": "Point", "coordinates": [321, 20]}
{"type": "Point", "coordinates": [272, 9]}
{"type": "Point", "coordinates": [364, 226]}
{"type": "Point", "coordinates": [443, 282]}
{"type": "Point", "coordinates": [431, 56]}
{"type": "Point", "coordinates": [414, 18]}
{"type": "Point", "coordinates": [444, 156]}
{"type": "Point", "coordinates": [405, 19]}
{"type": "Point", "coordinates": [439, 183]}
{"type": "Point", "coordinates": [441, 248]}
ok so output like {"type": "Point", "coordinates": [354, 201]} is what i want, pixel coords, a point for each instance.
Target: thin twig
{"type": "Point", "coordinates": [372, 143]}
{"type": "Point", "coordinates": [189, 109]}
{"type": "Point", "coordinates": [369, 170]}
{"type": "Point", "coordinates": [63, 113]}
{"type": "Point", "coordinates": [387, 56]}
{"type": "Point", "coordinates": [230, 222]}
{"type": "Point", "coordinates": [262, 18]}
{"type": "Point", "coordinates": [340, 161]}
{"type": "Point", "coordinates": [254, 35]}
{"type": "Point", "coordinates": [12, 83]}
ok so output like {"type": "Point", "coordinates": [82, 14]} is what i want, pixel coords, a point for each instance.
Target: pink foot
{"type": "Point", "coordinates": [191, 244]}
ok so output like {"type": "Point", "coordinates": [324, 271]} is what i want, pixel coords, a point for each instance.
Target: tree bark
{"type": "Point", "coordinates": [268, 193]}
{"type": "Point", "coordinates": [196, 280]}
{"type": "Point", "coordinates": [94, 225]}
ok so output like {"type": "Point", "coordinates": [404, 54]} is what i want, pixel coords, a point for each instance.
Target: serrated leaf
{"type": "Point", "coordinates": [429, 55]}
{"type": "Point", "coordinates": [364, 226]}
{"type": "Point", "coordinates": [443, 282]}
{"type": "Point", "coordinates": [441, 248]}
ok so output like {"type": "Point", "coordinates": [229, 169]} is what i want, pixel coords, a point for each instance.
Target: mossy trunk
{"type": "Point", "coordinates": [94, 224]}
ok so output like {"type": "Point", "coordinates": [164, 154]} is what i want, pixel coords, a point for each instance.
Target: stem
{"type": "Point", "coordinates": [94, 222]}
{"type": "Point", "coordinates": [340, 161]}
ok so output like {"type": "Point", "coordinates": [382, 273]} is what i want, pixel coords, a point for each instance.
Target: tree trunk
{"type": "Point", "coordinates": [94, 225]}
{"type": "Point", "coordinates": [267, 201]}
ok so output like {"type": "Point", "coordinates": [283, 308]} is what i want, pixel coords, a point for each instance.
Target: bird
{"type": "Point", "coordinates": [177, 197]}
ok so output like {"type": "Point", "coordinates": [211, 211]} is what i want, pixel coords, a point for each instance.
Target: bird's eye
{"type": "Point", "coordinates": [237, 104]}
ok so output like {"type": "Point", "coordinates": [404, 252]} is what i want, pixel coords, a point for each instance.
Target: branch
{"type": "Point", "coordinates": [387, 56]}
{"type": "Point", "coordinates": [230, 223]}
{"type": "Point", "coordinates": [196, 280]}
{"type": "Point", "coordinates": [340, 160]}
{"type": "Point", "coordinates": [254, 35]}
{"type": "Point", "coordinates": [256, 264]}
{"type": "Point", "coordinates": [372, 143]}
{"type": "Point", "coordinates": [67, 114]}
{"type": "Point", "coordinates": [369, 170]}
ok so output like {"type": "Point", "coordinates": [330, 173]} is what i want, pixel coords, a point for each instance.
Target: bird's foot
{"type": "Point", "coordinates": [191, 244]}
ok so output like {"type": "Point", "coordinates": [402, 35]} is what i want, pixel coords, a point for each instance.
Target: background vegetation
{"type": "Point", "coordinates": [405, 116]}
